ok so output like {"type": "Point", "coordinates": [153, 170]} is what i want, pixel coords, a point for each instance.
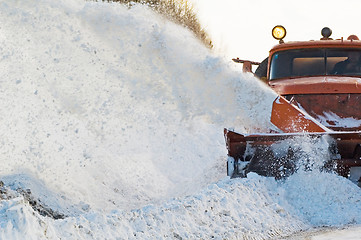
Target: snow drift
{"type": "Point", "coordinates": [114, 117]}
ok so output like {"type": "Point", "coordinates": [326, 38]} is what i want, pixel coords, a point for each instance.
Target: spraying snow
{"type": "Point", "coordinates": [105, 88]}
{"type": "Point", "coordinates": [113, 117]}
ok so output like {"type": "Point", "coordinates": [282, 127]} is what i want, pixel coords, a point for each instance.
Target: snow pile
{"type": "Point", "coordinates": [114, 118]}
{"type": "Point", "coordinates": [323, 199]}
{"type": "Point", "coordinates": [98, 95]}
{"type": "Point", "coordinates": [331, 119]}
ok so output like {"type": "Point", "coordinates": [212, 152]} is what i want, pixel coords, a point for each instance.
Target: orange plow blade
{"type": "Point", "coordinates": [278, 154]}
{"type": "Point", "coordinates": [288, 118]}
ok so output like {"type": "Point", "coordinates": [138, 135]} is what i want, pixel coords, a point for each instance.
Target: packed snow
{"type": "Point", "coordinates": [331, 119]}
{"type": "Point", "coordinates": [112, 118]}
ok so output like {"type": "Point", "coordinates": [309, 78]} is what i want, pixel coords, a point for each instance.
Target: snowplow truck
{"type": "Point", "coordinates": [318, 86]}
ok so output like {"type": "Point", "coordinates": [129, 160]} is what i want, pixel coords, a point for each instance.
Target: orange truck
{"type": "Point", "coordinates": [318, 83]}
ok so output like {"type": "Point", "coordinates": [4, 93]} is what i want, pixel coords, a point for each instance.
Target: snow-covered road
{"type": "Point", "coordinates": [344, 233]}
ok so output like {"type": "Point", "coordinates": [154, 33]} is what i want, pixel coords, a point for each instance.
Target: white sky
{"type": "Point", "coordinates": [242, 28]}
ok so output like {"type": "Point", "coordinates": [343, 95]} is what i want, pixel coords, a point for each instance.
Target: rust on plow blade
{"type": "Point", "coordinates": [276, 155]}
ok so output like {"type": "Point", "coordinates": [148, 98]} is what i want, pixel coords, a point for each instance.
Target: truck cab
{"type": "Point", "coordinates": [322, 77]}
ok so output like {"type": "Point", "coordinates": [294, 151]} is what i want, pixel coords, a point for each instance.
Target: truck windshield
{"type": "Point", "coordinates": [315, 62]}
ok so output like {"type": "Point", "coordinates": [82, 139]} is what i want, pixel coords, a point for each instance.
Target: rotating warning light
{"type": "Point", "coordinates": [279, 32]}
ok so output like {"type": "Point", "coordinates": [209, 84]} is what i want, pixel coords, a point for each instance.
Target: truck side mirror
{"type": "Point", "coordinates": [247, 65]}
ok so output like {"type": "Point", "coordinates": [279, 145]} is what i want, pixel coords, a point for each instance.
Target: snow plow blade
{"type": "Point", "coordinates": [276, 155]}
